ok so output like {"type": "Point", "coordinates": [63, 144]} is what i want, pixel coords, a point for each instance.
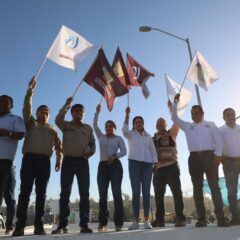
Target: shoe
{"type": "Point", "coordinates": [118, 228]}
{"type": "Point", "coordinates": [180, 223]}
{"type": "Point", "coordinates": [60, 230]}
{"type": "Point", "coordinates": [201, 223]}
{"type": "Point", "coordinates": [18, 232]}
{"type": "Point", "coordinates": [102, 228]}
{"type": "Point", "coordinates": [9, 230]}
{"type": "Point", "coordinates": [134, 226]}
{"type": "Point", "coordinates": [158, 223]}
{"type": "Point", "coordinates": [147, 224]}
{"type": "Point", "coordinates": [39, 231]}
{"type": "Point", "coordinates": [221, 222]}
{"type": "Point", "coordinates": [86, 229]}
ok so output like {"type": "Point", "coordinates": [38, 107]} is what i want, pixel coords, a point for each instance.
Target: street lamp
{"type": "Point", "coordinates": [148, 29]}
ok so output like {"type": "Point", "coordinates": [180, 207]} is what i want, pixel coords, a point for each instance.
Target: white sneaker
{"type": "Point", "coordinates": [134, 226]}
{"type": "Point", "coordinates": [147, 225]}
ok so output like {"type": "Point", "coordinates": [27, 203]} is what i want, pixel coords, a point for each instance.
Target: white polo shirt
{"type": "Point", "coordinates": [201, 136]}
{"type": "Point", "coordinates": [141, 147]}
{"type": "Point", "coordinates": [231, 140]}
{"type": "Point", "coordinates": [8, 145]}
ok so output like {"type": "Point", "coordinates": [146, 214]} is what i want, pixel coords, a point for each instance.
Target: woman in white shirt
{"type": "Point", "coordinates": [142, 156]}
{"type": "Point", "coordinates": [112, 147]}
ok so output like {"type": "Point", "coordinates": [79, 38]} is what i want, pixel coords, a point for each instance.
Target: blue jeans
{"type": "Point", "coordinates": [35, 168]}
{"type": "Point", "coordinates": [231, 169]}
{"type": "Point", "coordinates": [74, 166]}
{"type": "Point", "coordinates": [140, 177]}
{"type": "Point", "coordinates": [9, 197]}
{"type": "Point", "coordinates": [5, 168]}
{"type": "Point", "coordinates": [110, 173]}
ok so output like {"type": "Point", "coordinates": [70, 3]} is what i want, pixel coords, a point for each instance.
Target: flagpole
{"type": "Point", "coordinates": [40, 68]}
{"type": "Point", "coordinates": [128, 99]}
{"type": "Point", "coordinates": [101, 100]}
{"type": "Point", "coordinates": [78, 86]}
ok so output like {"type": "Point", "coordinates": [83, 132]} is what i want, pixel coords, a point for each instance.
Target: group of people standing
{"type": "Point", "coordinates": [148, 156]}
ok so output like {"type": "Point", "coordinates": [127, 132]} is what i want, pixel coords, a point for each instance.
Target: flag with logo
{"type": "Point", "coordinates": [138, 75]}
{"type": "Point", "coordinates": [101, 77]}
{"type": "Point", "coordinates": [200, 72]}
{"type": "Point", "coordinates": [121, 72]}
{"type": "Point", "coordinates": [69, 48]}
{"type": "Point", "coordinates": [173, 89]}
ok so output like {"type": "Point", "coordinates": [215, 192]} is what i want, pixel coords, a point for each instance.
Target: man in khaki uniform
{"type": "Point", "coordinates": [40, 141]}
{"type": "Point", "coordinates": [78, 146]}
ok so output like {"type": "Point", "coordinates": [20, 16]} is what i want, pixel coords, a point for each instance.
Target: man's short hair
{"type": "Point", "coordinates": [10, 99]}
{"type": "Point", "coordinates": [198, 107]}
{"type": "Point", "coordinates": [42, 106]}
{"type": "Point", "coordinates": [228, 109]}
{"type": "Point", "coordinates": [78, 105]}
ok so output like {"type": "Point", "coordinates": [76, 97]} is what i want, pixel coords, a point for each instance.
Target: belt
{"type": "Point", "coordinates": [37, 155]}
{"type": "Point", "coordinates": [200, 153]}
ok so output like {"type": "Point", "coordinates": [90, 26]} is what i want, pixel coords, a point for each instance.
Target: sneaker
{"type": "Point", "coordinates": [39, 231]}
{"type": "Point", "coordinates": [60, 230]}
{"type": "Point", "coordinates": [180, 223]}
{"type": "Point", "coordinates": [18, 232]}
{"type": "Point", "coordinates": [147, 224]}
{"type": "Point", "coordinates": [201, 223]}
{"type": "Point", "coordinates": [134, 226]}
{"type": "Point", "coordinates": [118, 228]}
{"type": "Point", "coordinates": [158, 223]}
{"type": "Point", "coordinates": [86, 229]}
{"type": "Point", "coordinates": [102, 228]}
{"type": "Point", "coordinates": [9, 230]}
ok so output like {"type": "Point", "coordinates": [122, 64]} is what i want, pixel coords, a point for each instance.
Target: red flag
{"type": "Point", "coordinates": [138, 74]}
{"type": "Point", "coordinates": [101, 77]}
{"type": "Point", "coordinates": [120, 70]}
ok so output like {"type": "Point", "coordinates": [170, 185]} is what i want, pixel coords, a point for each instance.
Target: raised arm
{"type": "Point", "coordinates": [95, 122]}
{"type": "Point", "coordinates": [59, 120]}
{"type": "Point", "coordinates": [27, 106]}
{"type": "Point", "coordinates": [174, 129]}
{"type": "Point", "coordinates": [182, 124]}
{"type": "Point", "coordinates": [125, 128]}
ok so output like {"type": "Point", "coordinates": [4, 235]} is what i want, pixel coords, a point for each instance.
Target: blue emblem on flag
{"type": "Point", "coordinates": [72, 41]}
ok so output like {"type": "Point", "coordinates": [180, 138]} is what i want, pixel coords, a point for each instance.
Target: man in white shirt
{"type": "Point", "coordinates": [12, 129]}
{"type": "Point", "coordinates": [205, 147]}
{"type": "Point", "coordinates": [231, 160]}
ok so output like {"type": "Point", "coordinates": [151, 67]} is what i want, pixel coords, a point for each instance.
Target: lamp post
{"type": "Point", "coordinates": [148, 29]}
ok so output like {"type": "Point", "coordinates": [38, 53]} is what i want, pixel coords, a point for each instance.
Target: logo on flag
{"type": "Point", "coordinates": [138, 75]}
{"type": "Point", "coordinates": [102, 78]}
{"type": "Point", "coordinates": [72, 41]}
{"type": "Point", "coordinates": [200, 72]}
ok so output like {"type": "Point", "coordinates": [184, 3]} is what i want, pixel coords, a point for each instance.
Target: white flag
{"type": "Point", "coordinates": [173, 89]}
{"type": "Point", "coordinates": [69, 48]}
{"type": "Point", "coordinates": [200, 72]}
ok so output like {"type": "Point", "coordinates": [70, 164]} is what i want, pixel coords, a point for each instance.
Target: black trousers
{"type": "Point", "coordinates": [5, 168]}
{"type": "Point", "coordinates": [169, 175]}
{"type": "Point", "coordinates": [200, 163]}
{"type": "Point", "coordinates": [72, 166]}
{"type": "Point", "coordinates": [35, 167]}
